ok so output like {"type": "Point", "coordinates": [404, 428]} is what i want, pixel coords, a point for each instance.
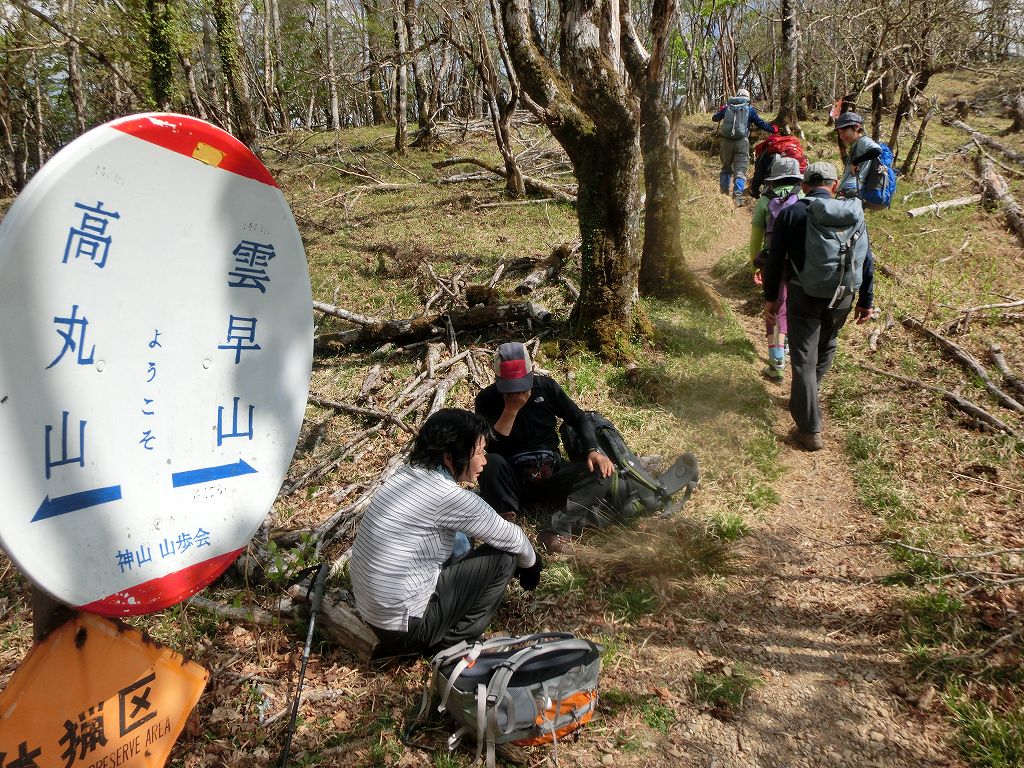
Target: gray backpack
{"type": "Point", "coordinates": [736, 120]}
{"type": "Point", "coordinates": [531, 689]}
{"type": "Point", "coordinates": [835, 247]}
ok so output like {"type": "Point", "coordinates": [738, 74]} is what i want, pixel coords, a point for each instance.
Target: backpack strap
{"type": "Point", "coordinates": [465, 663]}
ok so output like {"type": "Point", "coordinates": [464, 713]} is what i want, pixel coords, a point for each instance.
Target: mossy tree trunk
{"type": "Point", "coordinates": [663, 269]}
{"type": "Point", "coordinates": [592, 112]}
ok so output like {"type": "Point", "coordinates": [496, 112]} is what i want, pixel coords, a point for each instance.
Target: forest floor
{"type": "Point", "coordinates": [807, 612]}
{"type": "Point", "coordinates": [776, 621]}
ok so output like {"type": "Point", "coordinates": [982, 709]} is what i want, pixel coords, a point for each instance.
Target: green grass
{"type": "Point", "coordinates": [987, 738]}
{"type": "Point", "coordinates": [729, 526]}
{"type": "Point", "coordinates": [722, 689]}
{"type": "Point", "coordinates": [632, 602]}
{"type": "Point", "coordinates": [658, 716]}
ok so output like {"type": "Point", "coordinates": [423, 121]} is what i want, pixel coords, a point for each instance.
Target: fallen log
{"type": "Point", "coordinates": [344, 314]}
{"type": "Point", "coordinates": [958, 402]}
{"type": "Point", "coordinates": [995, 353]}
{"type": "Point", "coordinates": [548, 270]}
{"type": "Point", "coordinates": [338, 619]}
{"type": "Point", "coordinates": [996, 188]}
{"type": "Point", "coordinates": [945, 205]}
{"type": "Point", "coordinates": [968, 360]}
{"type": "Point", "coordinates": [421, 328]}
{"type": "Point", "coordinates": [533, 186]}
{"type": "Point", "coordinates": [245, 614]}
{"type": "Point", "coordinates": [988, 141]}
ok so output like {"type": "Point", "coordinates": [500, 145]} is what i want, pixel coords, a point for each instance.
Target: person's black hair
{"type": "Point", "coordinates": [452, 432]}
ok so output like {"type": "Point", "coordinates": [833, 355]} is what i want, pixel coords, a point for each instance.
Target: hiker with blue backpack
{"type": "Point", "coordinates": [822, 242]}
{"type": "Point", "coordinates": [782, 189]}
{"type": "Point", "coordinates": [735, 117]}
{"type": "Point", "coordinates": [869, 172]}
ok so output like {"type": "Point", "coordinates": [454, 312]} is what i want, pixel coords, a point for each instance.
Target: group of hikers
{"type": "Point", "coordinates": [809, 247]}
{"type": "Point", "coordinates": [415, 579]}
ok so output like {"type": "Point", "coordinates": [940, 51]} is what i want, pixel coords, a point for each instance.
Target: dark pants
{"type": "Point", "coordinates": [813, 338]}
{"type": "Point", "coordinates": [579, 492]}
{"type": "Point", "coordinates": [465, 598]}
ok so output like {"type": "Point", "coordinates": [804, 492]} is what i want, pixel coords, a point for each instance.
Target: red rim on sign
{"type": "Point", "coordinates": [155, 354]}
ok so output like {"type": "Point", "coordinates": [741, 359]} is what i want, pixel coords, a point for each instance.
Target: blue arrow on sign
{"type": "Point", "coordinates": [209, 474]}
{"type": "Point", "coordinates": [76, 501]}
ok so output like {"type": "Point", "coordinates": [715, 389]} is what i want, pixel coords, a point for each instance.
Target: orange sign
{"type": "Point", "coordinates": [96, 694]}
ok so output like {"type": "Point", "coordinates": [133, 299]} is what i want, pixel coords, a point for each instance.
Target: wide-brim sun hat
{"type": "Point", "coordinates": [784, 169]}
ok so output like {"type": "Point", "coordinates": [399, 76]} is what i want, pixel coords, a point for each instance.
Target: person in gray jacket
{"type": "Point", "coordinates": [736, 115]}
{"type": "Point", "coordinates": [861, 149]}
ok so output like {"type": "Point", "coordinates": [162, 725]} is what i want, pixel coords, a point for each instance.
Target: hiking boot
{"type": "Point", "coordinates": [774, 373]}
{"type": "Point", "coordinates": [552, 542]}
{"type": "Point", "coordinates": [809, 441]}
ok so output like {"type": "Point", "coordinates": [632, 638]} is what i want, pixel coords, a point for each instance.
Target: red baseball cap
{"type": "Point", "coordinates": [513, 369]}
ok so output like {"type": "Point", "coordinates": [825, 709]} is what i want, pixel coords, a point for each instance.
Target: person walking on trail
{"type": "Point", "coordinates": [861, 149]}
{"type": "Point", "coordinates": [524, 461]}
{"type": "Point", "coordinates": [822, 241]}
{"type": "Point", "coordinates": [782, 189]}
{"type": "Point", "coordinates": [405, 583]}
{"type": "Point", "coordinates": [735, 117]}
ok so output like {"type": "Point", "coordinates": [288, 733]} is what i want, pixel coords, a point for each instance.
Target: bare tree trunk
{"type": "Point", "coordinates": [332, 68]}
{"type": "Point", "coordinates": [76, 93]}
{"type": "Point", "coordinates": [190, 83]}
{"type": "Point", "coordinates": [412, 27]}
{"type": "Point", "coordinates": [401, 79]}
{"type": "Point", "coordinates": [910, 164]}
{"type": "Point", "coordinates": [788, 119]}
{"type": "Point", "coordinates": [225, 14]}
{"type": "Point", "coordinates": [213, 90]}
{"type": "Point", "coordinates": [592, 113]}
{"type": "Point", "coordinates": [374, 24]}
{"type": "Point", "coordinates": [280, 97]}
{"type": "Point", "coordinates": [663, 269]}
{"type": "Point", "coordinates": [161, 76]}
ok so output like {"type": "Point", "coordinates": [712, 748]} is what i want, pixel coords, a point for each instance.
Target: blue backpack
{"type": "Point", "coordinates": [880, 184]}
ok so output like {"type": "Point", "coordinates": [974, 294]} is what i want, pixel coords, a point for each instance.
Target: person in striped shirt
{"type": "Point", "coordinates": [406, 585]}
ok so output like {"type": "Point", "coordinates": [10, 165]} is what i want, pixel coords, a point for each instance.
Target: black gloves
{"type": "Point", "coordinates": [529, 578]}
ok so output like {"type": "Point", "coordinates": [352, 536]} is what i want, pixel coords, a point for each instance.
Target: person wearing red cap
{"type": "Point", "coordinates": [524, 460]}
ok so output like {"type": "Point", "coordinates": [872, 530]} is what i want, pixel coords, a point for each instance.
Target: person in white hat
{"type": "Point", "coordinates": [735, 117]}
{"type": "Point", "coordinates": [782, 189]}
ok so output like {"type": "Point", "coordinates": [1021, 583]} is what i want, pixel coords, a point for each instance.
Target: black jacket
{"type": "Point", "coordinates": [788, 246]}
{"type": "Point", "coordinates": [536, 424]}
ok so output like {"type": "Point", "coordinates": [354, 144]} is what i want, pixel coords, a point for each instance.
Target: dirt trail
{"type": "Point", "coordinates": [808, 616]}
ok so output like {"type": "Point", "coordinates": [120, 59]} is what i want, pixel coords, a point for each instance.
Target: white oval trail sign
{"type": "Point", "coordinates": [155, 354]}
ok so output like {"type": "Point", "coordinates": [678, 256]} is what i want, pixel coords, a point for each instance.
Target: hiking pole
{"type": "Point", "coordinates": [316, 593]}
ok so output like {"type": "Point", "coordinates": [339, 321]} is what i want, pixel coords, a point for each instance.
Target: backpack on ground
{"type": "Point", "coordinates": [736, 120]}
{"type": "Point", "coordinates": [835, 247]}
{"type": "Point", "coordinates": [766, 151]}
{"type": "Point", "coordinates": [634, 490]}
{"type": "Point", "coordinates": [880, 184]}
{"type": "Point", "coordinates": [527, 690]}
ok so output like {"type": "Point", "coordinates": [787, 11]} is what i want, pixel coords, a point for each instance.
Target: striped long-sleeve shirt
{"type": "Point", "coordinates": [408, 531]}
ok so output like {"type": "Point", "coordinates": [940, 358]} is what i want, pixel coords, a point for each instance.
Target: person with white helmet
{"type": "Point", "coordinates": [735, 117]}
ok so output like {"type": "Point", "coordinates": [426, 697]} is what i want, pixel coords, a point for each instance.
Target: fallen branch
{"type": "Point", "coordinates": [996, 188]}
{"type": "Point", "coordinates": [995, 353]}
{"type": "Point", "coordinates": [357, 411]}
{"type": "Point", "coordinates": [533, 186]}
{"type": "Point", "coordinates": [945, 205]}
{"type": "Point", "coordinates": [421, 328]}
{"type": "Point", "coordinates": [988, 141]}
{"type": "Point", "coordinates": [958, 402]}
{"type": "Point", "coordinates": [344, 314]}
{"type": "Point", "coordinates": [245, 614]}
{"type": "Point", "coordinates": [548, 269]}
{"type": "Point", "coordinates": [968, 360]}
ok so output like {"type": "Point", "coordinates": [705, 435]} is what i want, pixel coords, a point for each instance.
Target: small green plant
{"type": "Point", "coordinates": [722, 688]}
{"type": "Point", "coordinates": [284, 564]}
{"type": "Point", "coordinates": [658, 716]}
{"type": "Point", "coordinates": [632, 602]}
{"type": "Point", "coordinates": [561, 580]}
{"type": "Point", "coordinates": [728, 526]}
{"type": "Point", "coordinates": [446, 760]}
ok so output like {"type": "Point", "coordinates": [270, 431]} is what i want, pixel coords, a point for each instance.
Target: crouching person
{"type": "Point", "coordinates": [406, 584]}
